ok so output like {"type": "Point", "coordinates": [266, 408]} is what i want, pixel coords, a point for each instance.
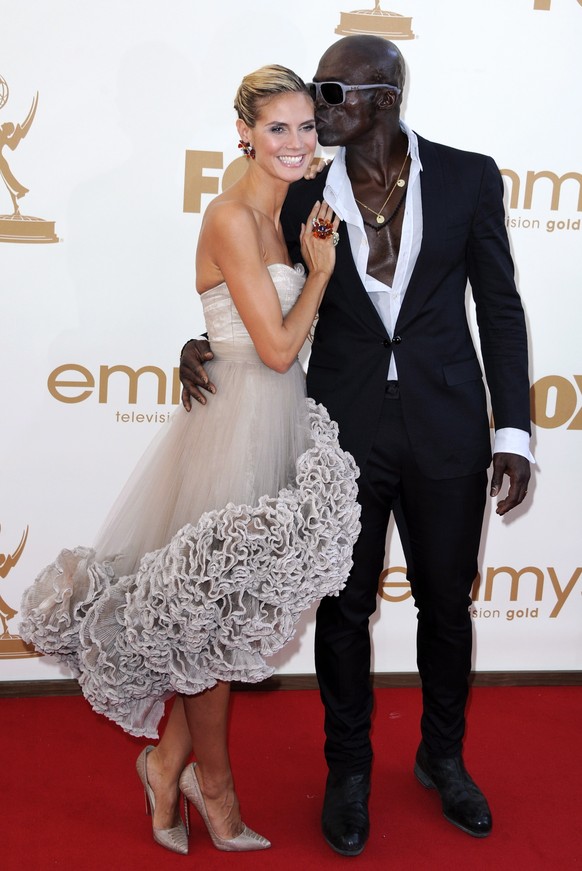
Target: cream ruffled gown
{"type": "Point", "coordinates": [239, 516]}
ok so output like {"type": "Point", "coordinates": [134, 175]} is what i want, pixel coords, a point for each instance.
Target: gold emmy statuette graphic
{"type": "Point", "coordinates": [18, 227]}
{"type": "Point", "coordinates": [12, 646]}
{"type": "Point", "coordinates": [375, 22]}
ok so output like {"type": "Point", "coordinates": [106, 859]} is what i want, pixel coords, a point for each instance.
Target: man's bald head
{"type": "Point", "coordinates": [380, 58]}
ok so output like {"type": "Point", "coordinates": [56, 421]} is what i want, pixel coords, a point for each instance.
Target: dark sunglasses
{"type": "Point", "coordinates": [334, 93]}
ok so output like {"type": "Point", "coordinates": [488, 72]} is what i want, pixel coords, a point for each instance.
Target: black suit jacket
{"type": "Point", "coordinates": [441, 385]}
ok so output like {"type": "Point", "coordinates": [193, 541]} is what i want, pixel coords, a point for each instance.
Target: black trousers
{"type": "Point", "coordinates": [443, 520]}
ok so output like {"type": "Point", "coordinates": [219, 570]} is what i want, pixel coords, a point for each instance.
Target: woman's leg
{"type": "Point", "coordinates": [165, 764]}
{"type": "Point", "coordinates": [207, 718]}
{"type": "Point", "coordinates": [198, 723]}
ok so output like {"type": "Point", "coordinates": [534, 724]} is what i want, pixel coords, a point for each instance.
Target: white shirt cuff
{"type": "Point", "coordinates": [509, 440]}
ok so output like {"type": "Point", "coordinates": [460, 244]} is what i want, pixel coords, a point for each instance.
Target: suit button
{"type": "Point", "coordinates": [397, 340]}
{"type": "Point", "coordinates": [386, 343]}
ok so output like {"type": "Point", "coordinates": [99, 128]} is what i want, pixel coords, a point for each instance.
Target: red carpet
{"type": "Point", "coordinates": [71, 799]}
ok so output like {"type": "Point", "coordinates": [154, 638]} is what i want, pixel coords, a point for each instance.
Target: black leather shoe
{"type": "Point", "coordinates": [345, 822]}
{"type": "Point", "coordinates": [464, 804]}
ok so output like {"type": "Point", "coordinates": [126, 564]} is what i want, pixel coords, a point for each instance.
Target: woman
{"type": "Point", "coordinates": [204, 567]}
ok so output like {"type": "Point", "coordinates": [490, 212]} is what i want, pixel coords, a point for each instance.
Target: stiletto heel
{"type": "Point", "coordinates": [175, 839]}
{"type": "Point", "coordinates": [247, 840]}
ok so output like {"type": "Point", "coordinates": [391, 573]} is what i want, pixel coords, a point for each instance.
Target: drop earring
{"type": "Point", "coordinates": [247, 149]}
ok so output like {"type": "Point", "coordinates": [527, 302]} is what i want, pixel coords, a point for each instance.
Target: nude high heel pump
{"type": "Point", "coordinates": [175, 839]}
{"type": "Point", "coordinates": [247, 840]}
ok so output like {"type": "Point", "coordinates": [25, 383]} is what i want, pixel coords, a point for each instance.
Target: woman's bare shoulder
{"type": "Point", "coordinates": [229, 234]}
{"type": "Point", "coordinates": [228, 208]}
{"type": "Point", "coordinates": [227, 222]}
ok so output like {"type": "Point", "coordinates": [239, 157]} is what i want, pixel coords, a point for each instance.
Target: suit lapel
{"type": "Point", "coordinates": [346, 276]}
{"type": "Point", "coordinates": [346, 285]}
{"type": "Point", "coordinates": [433, 211]}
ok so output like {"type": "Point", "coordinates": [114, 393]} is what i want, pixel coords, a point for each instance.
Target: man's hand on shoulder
{"type": "Point", "coordinates": [518, 471]}
{"type": "Point", "coordinates": [195, 354]}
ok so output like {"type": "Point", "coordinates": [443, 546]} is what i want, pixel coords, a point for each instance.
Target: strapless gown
{"type": "Point", "coordinates": [240, 515]}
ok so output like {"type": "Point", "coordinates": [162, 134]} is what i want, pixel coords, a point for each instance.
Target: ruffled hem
{"type": "Point", "coordinates": [224, 592]}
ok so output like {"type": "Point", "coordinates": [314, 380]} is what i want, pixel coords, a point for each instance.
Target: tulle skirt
{"type": "Point", "coordinates": [240, 515]}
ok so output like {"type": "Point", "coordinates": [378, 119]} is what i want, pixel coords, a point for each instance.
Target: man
{"type": "Point", "coordinates": [394, 363]}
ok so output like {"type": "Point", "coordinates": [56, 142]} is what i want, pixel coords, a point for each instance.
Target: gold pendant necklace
{"type": "Point", "coordinates": [399, 183]}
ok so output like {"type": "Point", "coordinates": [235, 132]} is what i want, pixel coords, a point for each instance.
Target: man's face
{"type": "Point", "coordinates": [353, 119]}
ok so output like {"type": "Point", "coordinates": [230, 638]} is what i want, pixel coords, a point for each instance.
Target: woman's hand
{"type": "Point", "coordinates": [195, 354]}
{"type": "Point", "coordinates": [319, 253]}
{"type": "Point", "coordinates": [315, 167]}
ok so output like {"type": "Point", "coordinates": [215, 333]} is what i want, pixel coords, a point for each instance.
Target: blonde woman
{"type": "Point", "coordinates": [240, 515]}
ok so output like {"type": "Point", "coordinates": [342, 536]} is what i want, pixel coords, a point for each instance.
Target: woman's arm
{"type": "Point", "coordinates": [230, 244]}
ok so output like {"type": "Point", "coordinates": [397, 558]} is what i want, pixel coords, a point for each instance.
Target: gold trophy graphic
{"type": "Point", "coordinates": [377, 22]}
{"type": "Point", "coordinates": [17, 227]}
{"type": "Point", "coordinates": [12, 646]}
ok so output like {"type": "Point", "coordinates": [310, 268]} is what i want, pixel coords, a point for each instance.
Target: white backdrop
{"type": "Point", "coordinates": [132, 135]}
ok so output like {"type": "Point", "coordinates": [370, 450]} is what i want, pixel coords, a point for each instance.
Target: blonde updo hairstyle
{"type": "Point", "coordinates": [259, 87]}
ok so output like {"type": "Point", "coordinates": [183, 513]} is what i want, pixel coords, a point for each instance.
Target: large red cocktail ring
{"type": "Point", "coordinates": [322, 228]}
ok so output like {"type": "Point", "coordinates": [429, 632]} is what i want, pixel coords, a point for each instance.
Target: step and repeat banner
{"type": "Point", "coordinates": [117, 129]}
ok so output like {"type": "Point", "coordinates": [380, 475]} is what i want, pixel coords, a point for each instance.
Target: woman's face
{"type": "Point", "coordinates": [284, 136]}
